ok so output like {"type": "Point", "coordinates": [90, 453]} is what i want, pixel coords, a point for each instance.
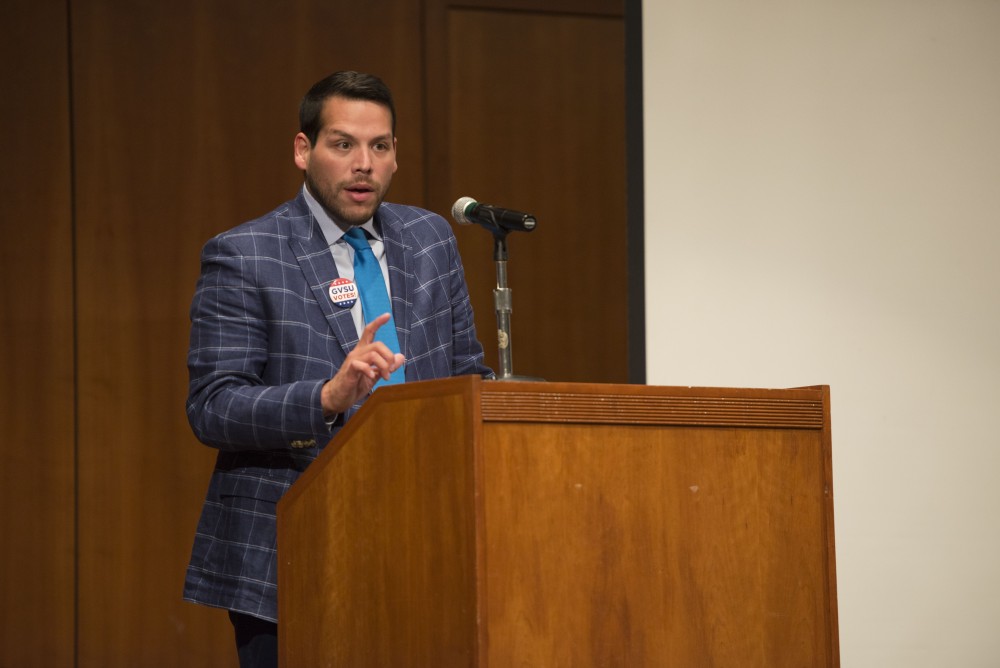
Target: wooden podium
{"type": "Point", "coordinates": [464, 522]}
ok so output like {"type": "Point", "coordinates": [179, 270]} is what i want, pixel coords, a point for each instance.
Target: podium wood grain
{"type": "Point", "coordinates": [462, 522]}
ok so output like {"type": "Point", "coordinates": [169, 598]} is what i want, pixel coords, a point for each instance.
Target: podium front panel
{"type": "Point", "coordinates": [471, 523]}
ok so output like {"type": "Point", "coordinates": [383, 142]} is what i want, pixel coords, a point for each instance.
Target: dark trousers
{"type": "Point", "coordinates": [256, 641]}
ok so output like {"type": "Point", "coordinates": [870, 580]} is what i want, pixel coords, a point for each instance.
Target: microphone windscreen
{"type": "Point", "coordinates": [458, 209]}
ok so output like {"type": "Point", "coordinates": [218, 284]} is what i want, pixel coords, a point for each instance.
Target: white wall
{"type": "Point", "coordinates": [823, 207]}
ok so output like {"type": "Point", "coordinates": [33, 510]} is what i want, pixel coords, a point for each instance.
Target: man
{"type": "Point", "coordinates": [281, 355]}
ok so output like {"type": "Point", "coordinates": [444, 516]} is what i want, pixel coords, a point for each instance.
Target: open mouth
{"type": "Point", "coordinates": [360, 189]}
{"type": "Point", "coordinates": [360, 192]}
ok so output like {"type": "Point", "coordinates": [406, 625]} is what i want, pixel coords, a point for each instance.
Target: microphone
{"type": "Point", "coordinates": [467, 211]}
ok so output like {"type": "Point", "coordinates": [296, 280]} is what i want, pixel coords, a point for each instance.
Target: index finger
{"type": "Point", "coordinates": [368, 335]}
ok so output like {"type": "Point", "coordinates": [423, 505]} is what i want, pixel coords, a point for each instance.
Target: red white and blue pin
{"type": "Point", "coordinates": [343, 292]}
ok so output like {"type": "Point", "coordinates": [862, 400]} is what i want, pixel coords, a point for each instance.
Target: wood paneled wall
{"type": "Point", "coordinates": [536, 118]}
{"type": "Point", "coordinates": [37, 490]}
{"type": "Point", "coordinates": [132, 132]}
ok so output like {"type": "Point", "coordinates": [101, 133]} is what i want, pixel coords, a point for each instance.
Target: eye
{"type": "Point", "coordinates": [381, 147]}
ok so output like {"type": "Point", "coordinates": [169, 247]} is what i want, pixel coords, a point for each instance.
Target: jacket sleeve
{"type": "Point", "coordinates": [229, 405]}
{"type": "Point", "coordinates": [467, 351]}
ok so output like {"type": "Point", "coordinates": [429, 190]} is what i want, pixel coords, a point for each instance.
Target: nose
{"type": "Point", "coordinates": [363, 160]}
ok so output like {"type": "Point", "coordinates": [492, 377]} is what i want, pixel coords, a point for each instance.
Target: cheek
{"type": "Point", "coordinates": [388, 168]}
{"type": "Point", "coordinates": [327, 167]}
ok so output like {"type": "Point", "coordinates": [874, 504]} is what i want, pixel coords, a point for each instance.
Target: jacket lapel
{"type": "Point", "coordinates": [399, 257]}
{"type": "Point", "coordinates": [316, 261]}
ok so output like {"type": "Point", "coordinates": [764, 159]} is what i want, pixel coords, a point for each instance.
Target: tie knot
{"type": "Point", "coordinates": [357, 238]}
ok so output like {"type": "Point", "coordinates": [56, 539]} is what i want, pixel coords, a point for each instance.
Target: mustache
{"type": "Point", "coordinates": [360, 182]}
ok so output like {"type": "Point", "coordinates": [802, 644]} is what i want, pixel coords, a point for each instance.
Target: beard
{"type": "Point", "coordinates": [342, 209]}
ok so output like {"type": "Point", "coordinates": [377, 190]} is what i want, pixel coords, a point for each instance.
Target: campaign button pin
{"type": "Point", "coordinates": [343, 292]}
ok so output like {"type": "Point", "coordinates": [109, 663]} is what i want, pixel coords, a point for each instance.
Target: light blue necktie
{"type": "Point", "coordinates": [374, 296]}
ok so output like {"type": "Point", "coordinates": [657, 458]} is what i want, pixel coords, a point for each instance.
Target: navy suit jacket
{"type": "Point", "coordinates": [265, 337]}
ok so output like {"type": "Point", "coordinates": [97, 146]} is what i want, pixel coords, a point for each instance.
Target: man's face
{"type": "Point", "coordinates": [351, 166]}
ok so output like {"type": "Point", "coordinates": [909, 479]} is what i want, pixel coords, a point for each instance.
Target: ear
{"type": "Point", "coordinates": [395, 148]}
{"type": "Point", "coordinates": [302, 149]}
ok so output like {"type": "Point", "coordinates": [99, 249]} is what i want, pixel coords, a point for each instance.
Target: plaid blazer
{"type": "Point", "coordinates": [265, 337]}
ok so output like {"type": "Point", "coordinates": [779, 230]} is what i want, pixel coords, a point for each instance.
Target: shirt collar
{"type": "Point", "coordinates": [332, 229]}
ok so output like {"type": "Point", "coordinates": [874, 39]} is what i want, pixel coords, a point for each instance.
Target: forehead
{"type": "Point", "coordinates": [341, 114]}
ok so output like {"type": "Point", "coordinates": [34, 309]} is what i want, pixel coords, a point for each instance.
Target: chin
{"type": "Point", "coordinates": [356, 216]}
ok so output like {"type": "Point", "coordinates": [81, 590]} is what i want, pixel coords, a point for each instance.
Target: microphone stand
{"type": "Point", "coordinates": [502, 301]}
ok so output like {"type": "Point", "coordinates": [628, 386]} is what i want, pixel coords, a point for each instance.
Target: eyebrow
{"type": "Point", "coordinates": [346, 135]}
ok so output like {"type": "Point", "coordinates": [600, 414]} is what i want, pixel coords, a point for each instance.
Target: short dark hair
{"type": "Point", "coordinates": [347, 84]}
